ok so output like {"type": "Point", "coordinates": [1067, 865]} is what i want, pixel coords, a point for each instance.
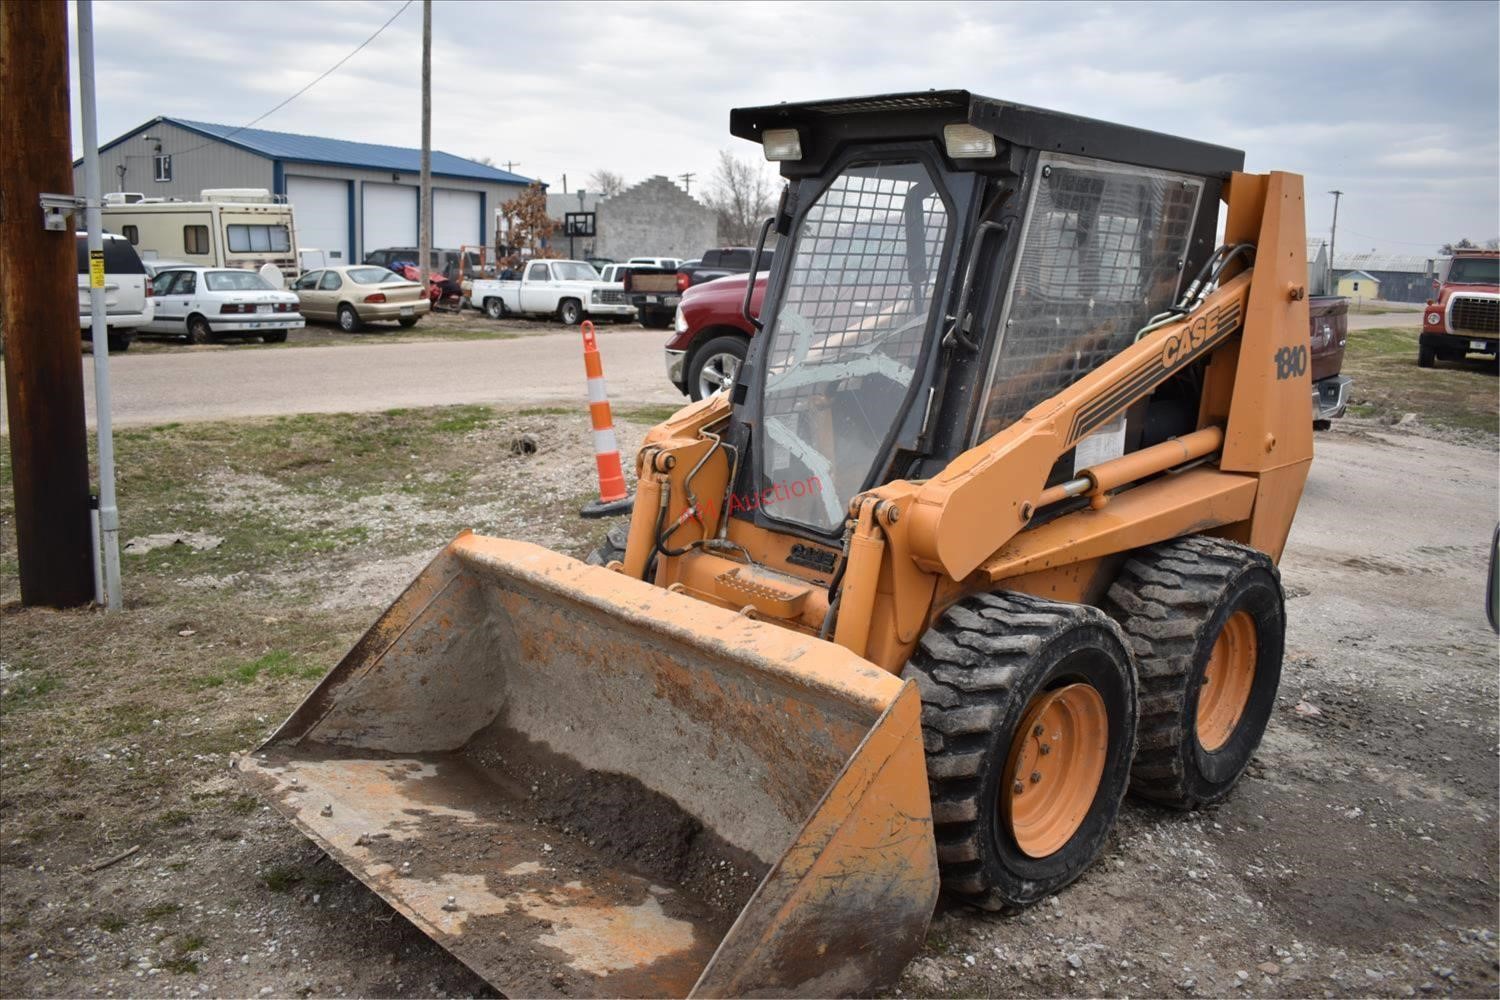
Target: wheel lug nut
{"type": "Point", "coordinates": [1038, 730]}
{"type": "Point", "coordinates": [1036, 776]}
{"type": "Point", "coordinates": [1018, 788]}
{"type": "Point", "coordinates": [1046, 749]}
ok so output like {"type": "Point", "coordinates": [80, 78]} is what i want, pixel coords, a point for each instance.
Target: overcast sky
{"type": "Point", "coordinates": [1395, 104]}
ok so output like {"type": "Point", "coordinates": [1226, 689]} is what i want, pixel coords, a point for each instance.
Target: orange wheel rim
{"type": "Point", "coordinates": [1053, 770]}
{"type": "Point", "coordinates": [1226, 681]}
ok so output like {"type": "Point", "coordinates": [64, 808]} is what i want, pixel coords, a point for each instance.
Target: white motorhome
{"type": "Point", "coordinates": [227, 227]}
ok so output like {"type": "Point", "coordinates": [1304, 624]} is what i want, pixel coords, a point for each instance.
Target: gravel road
{"type": "Point", "coordinates": [218, 384]}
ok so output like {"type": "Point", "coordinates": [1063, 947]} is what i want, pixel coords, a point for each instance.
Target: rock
{"type": "Point", "coordinates": [1269, 968]}
{"type": "Point", "coordinates": [1407, 420]}
{"type": "Point", "coordinates": [1306, 710]}
{"type": "Point", "coordinates": [1075, 960]}
{"type": "Point", "coordinates": [1241, 975]}
{"type": "Point", "coordinates": [195, 540]}
{"type": "Point", "coordinates": [523, 444]}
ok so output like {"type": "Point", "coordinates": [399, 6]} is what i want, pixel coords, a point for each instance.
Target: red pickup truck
{"type": "Point", "coordinates": [711, 338]}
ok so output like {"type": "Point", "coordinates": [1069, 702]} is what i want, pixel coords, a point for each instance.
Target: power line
{"type": "Point", "coordinates": [317, 80]}
{"type": "Point", "coordinates": [1410, 243]}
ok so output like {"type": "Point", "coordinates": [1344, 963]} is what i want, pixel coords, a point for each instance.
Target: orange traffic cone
{"type": "Point", "coordinates": [613, 497]}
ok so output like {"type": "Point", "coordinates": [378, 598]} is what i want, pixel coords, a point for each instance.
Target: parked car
{"type": "Point", "coordinates": [1328, 333]}
{"type": "Point", "coordinates": [443, 260]}
{"type": "Point", "coordinates": [128, 302]}
{"type": "Point", "coordinates": [711, 335]}
{"type": "Point", "coordinates": [655, 292]}
{"type": "Point", "coordinates": [1463, 316]}
{"type": "Point", "coordinates": [566, 289]}
{"type": "Point", "coordinates": [354, 296]}
{"type": "Point", "coordinates": [201, 304]}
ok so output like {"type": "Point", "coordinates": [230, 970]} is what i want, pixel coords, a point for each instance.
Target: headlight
{"type": "Point", "coordinates": [965, 142]}
{"type": "Point", "coordinates": [781, 144]}
{"type": "Point", "coordinates": [594, 295]}
{"type": "Point", "coordinates": [1433, 319]}
{"type": "Point", "coordinates": [679, 322]}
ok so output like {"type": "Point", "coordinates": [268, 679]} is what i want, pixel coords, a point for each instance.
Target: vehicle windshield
{"type": "Point", "coordinates": [373, 275]}
{"type": "Point", "coordinates": [845, 345]}
{"type": "Point", "coordinates": [574, 270]}
{"type": "Point", "coordinates": [1474, 271]}
{"type": "Point", "coordinates": [236, 281]}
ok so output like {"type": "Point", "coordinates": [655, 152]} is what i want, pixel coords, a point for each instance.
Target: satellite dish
{"type": "Point", "coordinates": [273, 275]}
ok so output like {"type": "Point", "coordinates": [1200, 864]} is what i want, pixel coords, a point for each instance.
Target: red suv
{"type": "Point", "coordinates": [712, 335]}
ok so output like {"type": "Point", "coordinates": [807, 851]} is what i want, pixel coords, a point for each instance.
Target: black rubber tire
{"type": "Point", "coordinates": [569, 312]}
{"type": "Point", "coordinates": [612, 549]}
{"type": "Point", "coordinates": [978, 668]}
{"type": "Point", "coordinates": [1172, 600]}
{"type": "Point", "coordinates": [198, 331]}
{"type": "Point", "coordinates": [349, 320]}
{"type": "Point", "coordinates": [274, 337]}
{"type": "Point", "coordinates": [1322, 425]}
{"type": "Point", "coordinates": [118, 343]}
{"type": "Point", "coordinates": [719, 346]}
{"type": "Point", "coordinates": [494, 307]}
{"type": "Point", "coordinates": [407, 322]}
{"type": "Point", "coordinates": [654, 320]}
{"type": "Point", "coordinates": [1426, 356]}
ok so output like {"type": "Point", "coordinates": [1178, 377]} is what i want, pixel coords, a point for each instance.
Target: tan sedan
{"type": "Point", "coordinates": [358, 294]}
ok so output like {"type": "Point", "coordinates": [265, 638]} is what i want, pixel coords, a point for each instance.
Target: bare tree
{"type": "Point", "coordinates": [606, 183]}
{"type": "Point", "coordinates": [741, 193]}
{"type": "Point", "coordinates": [487, 161]}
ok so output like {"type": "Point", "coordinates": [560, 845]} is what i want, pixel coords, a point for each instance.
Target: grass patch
{"type": "Point", "coordinates": [158, 910]}
{"type": "Point", "coordinates": [1388, 385]}
{"type": "Point", "coordinates": [180, 966]}
{"type": "Point", "coordinates": [111, 923]}
{"type": "Point", "coordinates": [30, 691]}
{"type": "Point", "coordinates": [548, 411]}
{"type": "Point", "coordinates": [281, 878]}
{"type": "Point", "coordinates": [462, 419]}
{"type": "Point", "coordinates": [649, 414]}
{"type": "Point", "coordinates": [175, 817]}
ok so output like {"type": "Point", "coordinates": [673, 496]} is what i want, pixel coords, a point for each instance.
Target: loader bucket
{"type": "Point", "coordinates": [581, 784]}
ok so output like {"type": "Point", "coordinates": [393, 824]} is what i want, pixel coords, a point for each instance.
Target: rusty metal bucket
{"type": "Point", "coordinates": [581, 784]}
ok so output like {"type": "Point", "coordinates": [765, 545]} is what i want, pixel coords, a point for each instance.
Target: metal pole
{"type": "Point", "coordinates": [109, 514]}
{"type": "Point", "coordinates": [1332, 235]}
{"type": "Point", "coordinates": [424, 240]}
{"type": "Point", "coordinates": [49, 448]}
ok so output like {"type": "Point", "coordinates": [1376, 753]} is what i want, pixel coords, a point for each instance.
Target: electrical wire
{"type": "Point", "coordinates": [316, 80]}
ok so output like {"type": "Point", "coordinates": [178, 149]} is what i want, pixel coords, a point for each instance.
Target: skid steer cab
{"type": "Point", "coordinates": [984, 534]}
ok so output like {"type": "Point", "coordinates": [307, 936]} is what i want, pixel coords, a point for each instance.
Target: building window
{"type": "Point", "coordinates": [1356, 286]}
{"type": "Point", "coordinates": [195, 239]}
{"type": "Point", "coordinates": [259, 239]}
{"type": "Point", "coordinates": [132, 234]}
{"type": "Point", "coordinates": [162, 164]}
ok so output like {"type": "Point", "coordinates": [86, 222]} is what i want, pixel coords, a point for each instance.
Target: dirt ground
{"type": "Point", "coordinates": [1357, 858]}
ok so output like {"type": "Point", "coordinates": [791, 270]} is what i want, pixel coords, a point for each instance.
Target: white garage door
{"type": "Point", "coordinates": [455, 218]}
{"type": "Point", "coordinates": [390, 216]}
{"type": "Point", "coordinates": [321, 208]}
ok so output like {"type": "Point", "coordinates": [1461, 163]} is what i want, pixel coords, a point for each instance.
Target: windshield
{"type": "Point", "coordinates": [846, 343]}
{"type": "Point", "coordinates": [1474, 271]}
{"type": "Point", "coordinates": [236, 281]}
{"type": "Point", "coordinates": [574, 270]}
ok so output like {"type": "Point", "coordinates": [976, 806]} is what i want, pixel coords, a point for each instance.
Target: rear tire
{"type": "Point", "coordinates": [612, 549]}
{"type": "Point", "coordinates": [199, 332]}
{"type": "Point", "coordinates": [569, 312]}
{"type": "Point", "coordinates": [349, 319]}
{"type": "Point", "coordinates": [494, 307]}
{"type": "Point", "coordinates": [1188, 605]}
{"type": "Point", "coordinates": [985, 669]}
{"type": "Point", "coordinates": [407, 322]}
{"type": "Point", "coordinates": [118, 343]}
{"type": "Point", "coordinates": [654, 320]}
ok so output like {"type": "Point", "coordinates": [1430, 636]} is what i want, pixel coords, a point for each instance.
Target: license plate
{"type": "Point", "coordinates": [255, 326]}
{"type": "Point", "coordinates": [408, 310]}
{"type": "Point", "coordinates": [652, 299]}
{"type": "Point", "coordinates": [265, 308]}
{"type": "Point", "coordinates": [1480, 345]}
{"type": "Point", "coordinates": [671, 300]}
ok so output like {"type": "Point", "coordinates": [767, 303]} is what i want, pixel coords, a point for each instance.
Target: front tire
{"type": "Point", "coordinates": [1206, 619]}
{"type": "Point", "coordinates": [715, 366]}
{"type": "Point", "coordinates": [1426, 356]}
{"type": "Point", "coordinates": [569, 312]}
{"type": "Point", "coordinates": [1028, 720]}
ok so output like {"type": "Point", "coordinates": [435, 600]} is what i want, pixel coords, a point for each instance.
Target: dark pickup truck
{"type": "Point", "coordinates": [655, 291]}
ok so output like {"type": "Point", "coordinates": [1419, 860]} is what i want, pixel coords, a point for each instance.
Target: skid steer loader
{"type": "Point", "coordinates": [984, 533]}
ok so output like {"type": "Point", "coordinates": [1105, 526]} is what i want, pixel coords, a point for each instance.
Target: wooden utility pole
{"type": "Point", "coordinates": [39, 296]}
{"type": "Point", "coordinates": [1333, 234]}
{"type": "Point", "coordinates": [424, 228]}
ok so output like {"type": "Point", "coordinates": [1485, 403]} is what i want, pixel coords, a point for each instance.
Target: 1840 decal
{"type": "Point", "coordinates": [1290, 362]}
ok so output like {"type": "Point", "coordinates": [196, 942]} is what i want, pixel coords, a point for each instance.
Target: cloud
{"type": "Point", "coordinates": [1392, 103]}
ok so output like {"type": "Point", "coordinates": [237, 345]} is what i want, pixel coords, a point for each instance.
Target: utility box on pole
{"type": "Point", "coordinates": [39, 296]}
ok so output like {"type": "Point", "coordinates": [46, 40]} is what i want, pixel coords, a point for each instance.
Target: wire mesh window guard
{"type": "Point", "coordinates": [1102, 252]}
{"type": "Point", "coordinates": [848, 338]}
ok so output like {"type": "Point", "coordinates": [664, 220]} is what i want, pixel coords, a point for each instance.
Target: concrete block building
{"type": "Point", "coordinates": [654, 218]}
{"type": "Point", "coordinates": [349, 197]}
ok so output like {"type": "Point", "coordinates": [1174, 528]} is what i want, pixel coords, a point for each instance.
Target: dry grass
{"type": "Point", "coordinates": [1459, 399]}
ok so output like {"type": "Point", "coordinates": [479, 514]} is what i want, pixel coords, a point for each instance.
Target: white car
{"type": "Point", "coordinates": [201, 304]}
{"type": "Point", "coordinates": [565, 289]}
{"type": "Point", "coordinates": [127, 291]}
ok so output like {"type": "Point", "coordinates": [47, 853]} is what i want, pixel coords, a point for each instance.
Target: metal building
{"type": "Point", "coordinates": [350, 197]}
{"type": "Point", "coordinates": [1401, 278]}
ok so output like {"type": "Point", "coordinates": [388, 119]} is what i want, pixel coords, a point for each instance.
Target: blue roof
{"type": "Point", "coordinates": [339, 152]}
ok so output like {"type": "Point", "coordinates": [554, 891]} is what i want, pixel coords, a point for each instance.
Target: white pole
{"type": "Point", "coordinates": [109, 514]}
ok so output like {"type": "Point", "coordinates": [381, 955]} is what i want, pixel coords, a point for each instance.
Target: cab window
{"type": "Point", "coordinates": [331, 281]}
{"type": "Point", "coordinates": [186, 284]}
{"type": "Point", "coordinates": [308, 280]}
{"type": "Point", "coordinates": [536, 272]}
{"type": "Point", "coordinates": [163, 282]}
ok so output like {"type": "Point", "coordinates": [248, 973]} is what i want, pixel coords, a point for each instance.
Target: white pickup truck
{"type": "Point", "coordinates": [566, 289]}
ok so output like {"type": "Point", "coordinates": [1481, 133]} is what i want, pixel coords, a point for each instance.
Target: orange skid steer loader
{"type": "Point", "coordinates": [1051, 430]}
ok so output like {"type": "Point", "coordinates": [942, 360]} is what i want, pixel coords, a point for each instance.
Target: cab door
{"type": "Point", "coordinates": [536, 294]}
{"type": "Point", "coordinates": [173, 291]}
{"type": "Point", "coordinates": [313, 301]}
